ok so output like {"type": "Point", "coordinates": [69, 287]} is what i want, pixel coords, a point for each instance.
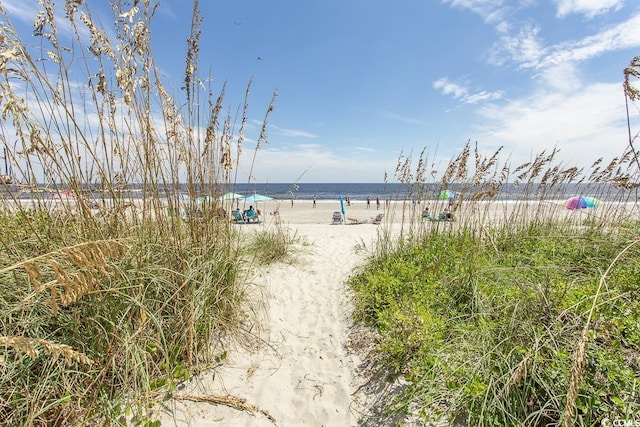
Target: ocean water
{"type": "Point", "coordinates": [430, 191]}
{"type": "Point", "coordinates": [385, 191]}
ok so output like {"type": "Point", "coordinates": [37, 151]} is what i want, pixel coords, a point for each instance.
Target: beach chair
{"type": "Point", "coordinates": [251, 217]}
{"type": "Point", "coordinates": [377, 219]}
{"type": "Point", "coordinates": [337, 218]}
{"type": "Point", "coordinates": [237, 218]}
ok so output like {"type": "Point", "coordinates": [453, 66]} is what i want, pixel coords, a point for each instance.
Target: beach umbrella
{"type": "Point", "coordinates": [205, 199]}
{"type": "Point", "coordinates": [257, 198]}
{"type": "Point", "coordinates": [66, 195]}
{"type": "Point", "coordinates": [231, 196]}
{"type": "Point", "coordinates": [579, 202]}
{"type": "Point", "coordinates": [341, 205]}
{"type": "Point", "coordinates": [446, 195]}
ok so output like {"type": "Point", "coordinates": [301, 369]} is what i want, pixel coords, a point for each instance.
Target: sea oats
{"type": "Point", "coordinates": [33, 271]}
{"type": "Point", "coordinates": [262, 138]}
{"type": "Point", "coordinates": [462, 172]}
{"type": "Point", "coordinates": [518, 374]}
{"type": "Point", "coordinates": [100, 44]}
{"type": "Point", "coordinates": [30, 347]}
{"type": "Point", "coordinates": [633, 70]}
{"type": "Point", "coordinates": [243, 119]}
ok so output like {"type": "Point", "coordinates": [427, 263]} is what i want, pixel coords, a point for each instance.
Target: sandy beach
{"type": "Point", "coordinates": [298, 368]}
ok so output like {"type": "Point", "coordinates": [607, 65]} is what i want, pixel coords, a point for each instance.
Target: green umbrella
{"type": "Point", "coordinates": [446, 195]}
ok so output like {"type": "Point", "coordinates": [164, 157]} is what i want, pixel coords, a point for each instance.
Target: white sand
{"type": "Point", "coordinates": [302, 373]}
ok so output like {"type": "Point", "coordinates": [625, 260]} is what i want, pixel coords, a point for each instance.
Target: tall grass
{"type": "Point", "coordinates": [108, 302]}
{"type": "Point", "coordinates": [519, 312]}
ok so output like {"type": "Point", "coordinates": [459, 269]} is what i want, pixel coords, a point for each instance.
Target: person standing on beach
{"type": "Point", "coordinates": [377, 203]}
{"type": "Point", "coordinates": [368, 202]}
{"type": "Point", "coordinates": [314, 201]}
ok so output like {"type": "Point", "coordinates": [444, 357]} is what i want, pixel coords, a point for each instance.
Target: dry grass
{"type": "Point", "coordinates": [95, 270]}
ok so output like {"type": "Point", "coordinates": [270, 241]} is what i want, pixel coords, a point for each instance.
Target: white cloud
{"type": "Point", "coordinates": [25, 10]}
{"type": "Point", "coordinates": [490, 10]}
{"type": "Point", "coordinates": [482, 96]}
{"type": "Point", "coordinates": [623, 36]}
{"type": "Point", "coordinates": [457, 91]}
{"type": "Point", "coordinates": [315, 163]}
{"type": "Point", "coordinates": [525, 48]}
{"type": "Point", "coordinates": [588, 8]}
{"type": "Point", "coordinates": [584, 124]}
{"type": "Point", "coordinates": [562, 78]}
{"type": "Point", "coordinates": [528, 51]}
{"type": "Point", "coordinates": [290, 133]}
{"type": "Point", "coordinates": [400, 118]}
{"type": "Point", "coordinates": [493, 12]}
{"type": "Point", "coordinates": [447, 87]}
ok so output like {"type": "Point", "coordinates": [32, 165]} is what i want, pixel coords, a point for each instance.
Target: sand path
{"type": "Point", "coordinates": [302, 374]}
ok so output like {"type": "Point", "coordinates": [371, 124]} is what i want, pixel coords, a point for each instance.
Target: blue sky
{"type": "Point", "coordinates": [360, 81]}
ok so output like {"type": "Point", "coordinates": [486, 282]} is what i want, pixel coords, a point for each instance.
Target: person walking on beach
{"type": "Point", "coordinates": [377, 203]}
{"type": "Point", "coordinates": [368, 202]}
{"type": "Point", "coordinates": [314, 201]}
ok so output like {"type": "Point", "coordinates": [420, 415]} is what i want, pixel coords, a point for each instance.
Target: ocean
{"type": "Point", "coordinates": [385, 191]}
{"type": "Point", "coordinates": [426, 191]}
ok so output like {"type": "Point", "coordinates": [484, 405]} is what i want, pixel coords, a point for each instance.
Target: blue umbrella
{"type": "Point", "coordinates": [230, 196]}
{"type": "Point", "coordinates": [257, 198]}
{"type": "Point", "coordinates": [341, 205]}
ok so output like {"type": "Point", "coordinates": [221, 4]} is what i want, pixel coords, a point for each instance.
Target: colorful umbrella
{"type": "Point", "coordinates": [580, 202]}
{"type": "Point", "coordinates": [446, 195]}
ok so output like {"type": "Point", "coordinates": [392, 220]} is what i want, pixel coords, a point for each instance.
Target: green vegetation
{"type": "Point", "coordinates": [271, 245]}
{"type": "Point", "coordinates": [490, 331]}
{"type": "Point", "coordinates": [94, 330]}
{"type": "Point", "coordinates": [107, 303]}
{"type": "Point", "coordinates": [518, 313]}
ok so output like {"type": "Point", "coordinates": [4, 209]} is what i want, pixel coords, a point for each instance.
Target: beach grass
{"type": "Point", "coordinates": [272, 245]}
{"type": "Point", "coordinates": [521, 315]}
{"type": "Point", "coordinates": [110, 302]}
